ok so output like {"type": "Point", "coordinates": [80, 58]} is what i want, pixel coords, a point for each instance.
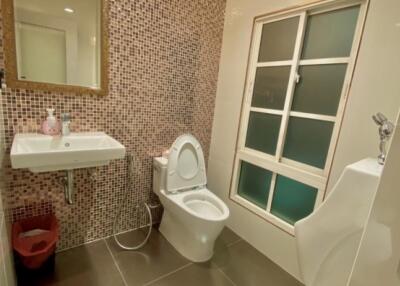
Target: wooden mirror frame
{"type": "Point", "coordinates": [11, 70]}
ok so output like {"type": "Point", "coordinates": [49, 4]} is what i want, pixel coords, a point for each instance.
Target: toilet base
{"type": "Point", "coordinates": [192, 245]}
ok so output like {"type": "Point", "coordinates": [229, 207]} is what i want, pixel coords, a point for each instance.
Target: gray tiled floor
{"type": "Point", "coordinates": [235, 262]}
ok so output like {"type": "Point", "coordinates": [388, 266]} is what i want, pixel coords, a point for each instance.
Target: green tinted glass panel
{"type": "Point", "coordinates": [263, 131]}
{"type": "Point", "coordinates": [278, 40]}
{"type": "Point", "coordinates": [307, 141]}
{"type": "Point", "coordinates": [254, 184]}
{"type": "Point", "coordinates": [270, 87]}
{"type": "Point", "coordinates": [330, 34]}
{"type": "Point", "coordinates": [319, 89]}
{"type": "Point", "coordinates": [292, 200]}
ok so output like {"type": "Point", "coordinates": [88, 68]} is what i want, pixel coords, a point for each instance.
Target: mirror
{"type": "Point", "coordinates": [57, 45]}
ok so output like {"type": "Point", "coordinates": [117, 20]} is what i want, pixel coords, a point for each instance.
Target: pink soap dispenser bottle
{"type": "Point", "coordinates": [50, 126]}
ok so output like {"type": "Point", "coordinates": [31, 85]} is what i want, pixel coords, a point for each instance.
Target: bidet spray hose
{"type": "Point", "coordinates": [147, 206]}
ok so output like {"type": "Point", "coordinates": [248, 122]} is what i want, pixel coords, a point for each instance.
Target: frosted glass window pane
{"type": "Point", "coordinates": [263, 131]}
{"type": "Point", "coordinates": [319, 89]}
{"type": "Point", "coordinates": [270, 87]}
{"type": "Point", "coordinates": [330, 34]}
{"type": "Point", "coordinates": [292, 200]}
{"type": "Point", "coordinates": [278, 40]}
{"type": "Point", "coordinates": [254, 184]}
{"type": "Point", "coordinates": [307, 141]}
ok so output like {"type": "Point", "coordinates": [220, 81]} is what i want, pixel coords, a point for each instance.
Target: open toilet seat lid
{"type": "Point", "coordinates": [186, 168]}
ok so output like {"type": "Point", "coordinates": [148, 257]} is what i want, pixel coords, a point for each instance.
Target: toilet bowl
{"type": "Point", "coordinates": [193, 216]}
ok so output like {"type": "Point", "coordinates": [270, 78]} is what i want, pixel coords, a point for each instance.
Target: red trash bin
{"type": "Point", "coordinates": [35, 239]}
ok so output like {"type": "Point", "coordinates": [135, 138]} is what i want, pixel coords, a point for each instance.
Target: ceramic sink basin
{"type": "Point", "coordinates": [44, 153]}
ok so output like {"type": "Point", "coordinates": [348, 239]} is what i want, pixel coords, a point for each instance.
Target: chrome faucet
{"type": "Point", "coordinates": [65, 122]}
{"type": "Point", "coordinates": [386, 129]}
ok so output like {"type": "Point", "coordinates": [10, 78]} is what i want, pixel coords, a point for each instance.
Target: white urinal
{"type": "Point", "coordinates": [328, 239]}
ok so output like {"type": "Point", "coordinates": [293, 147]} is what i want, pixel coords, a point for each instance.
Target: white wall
{"type": "Point", "coordinates": [7, 274]}
{"type": "Point", "coordinates": [378, 258]}
{"type": "Point", "coordinates": [375, 88]}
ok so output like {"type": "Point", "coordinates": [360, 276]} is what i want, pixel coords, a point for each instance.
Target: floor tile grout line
{"type": "Point", "coordinates": [219, 268]}
{"type": "Point", "coordinates": [116, 263]}
{"type": "Point", "coordinates": [190, 263]}
{"type": "Point", "coordinates": [225, 275]}
{"type": "Point", "coordinates": [167, 274]}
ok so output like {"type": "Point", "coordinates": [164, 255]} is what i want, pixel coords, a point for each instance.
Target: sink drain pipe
{"type": "Point", "coordinates": [148, 207]}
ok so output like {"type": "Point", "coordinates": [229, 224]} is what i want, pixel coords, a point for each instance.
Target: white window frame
{"type": "Point", "coordinates": [312, 176]}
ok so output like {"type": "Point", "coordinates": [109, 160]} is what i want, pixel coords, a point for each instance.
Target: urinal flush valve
{"type": "Point", "coordinates": [386, 129]}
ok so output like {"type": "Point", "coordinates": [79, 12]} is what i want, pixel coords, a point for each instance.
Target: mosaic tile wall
{"type": "Point", "coordinates": [164, 58]}
{"type": "Point", "coordinates": [3, 202]}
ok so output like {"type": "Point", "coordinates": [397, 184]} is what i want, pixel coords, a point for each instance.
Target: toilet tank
{"type": "Point", "coordinates": [159, 173]}
{"type": "Point", "coordinates": [328, 239]}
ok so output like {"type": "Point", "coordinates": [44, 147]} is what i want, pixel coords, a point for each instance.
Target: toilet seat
{"type": "Point", "coordinates": [186, 168]}
{"type": "Point", "coordinates": [201, 203]}
{"type": "Point", "coordinates": [204, 208]}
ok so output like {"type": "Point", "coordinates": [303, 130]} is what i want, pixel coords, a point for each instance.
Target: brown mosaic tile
{"type": "Point", "coordinates": [164, 58]}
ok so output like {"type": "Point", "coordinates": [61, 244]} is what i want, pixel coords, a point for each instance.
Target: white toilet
{"type": "Point", "coordinates": [193, 216]}
{"type": "Point", "coordinates": [328, 239]}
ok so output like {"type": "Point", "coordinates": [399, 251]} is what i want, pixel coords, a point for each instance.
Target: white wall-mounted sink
{"type": "Point", "coordinates": [44, 153]}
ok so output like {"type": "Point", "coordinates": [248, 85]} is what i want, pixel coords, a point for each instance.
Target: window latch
{"type": "Point", "coordinates": [297, 78]}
